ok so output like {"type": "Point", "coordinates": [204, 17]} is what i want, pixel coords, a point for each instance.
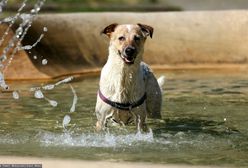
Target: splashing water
{"type": "Point", "coordinates": [38, 94]}
{"type": "Point", "coordinates": [66, 80]}
{"type": "Point", "coordinates": [2, 82]}
{"type": "Point", "coordinates": [48, 87]}
{"type": "Point", "coordinates": [14, 44]}
{"type": "Point", "coordinates": [11, 20]}
{"type": "Point", "coordinates": [66, 121]}
{"type": "Point", "coordinates": [2, 4]}
{"type": "Point", "coordinates": [52, 86]}
{"type": "Point", "coordinates": [44, 61]}
{"type": "Point", "coordinates": [52, 102]}
{"type": "Point", "coordinates": [29, 47]}
{"type": "Point", "coordinates": [95, 139]}
{"type": "Point", "coordinates": [75, 98]}
{"type": "Point", "coordinates": [21, 31]}
{"type": "Point", "coordinates": [15, 95]}
{"type": "Point", "coordinates": [45, 29]}
{"type": "Point", "coordinates": [67, 118]}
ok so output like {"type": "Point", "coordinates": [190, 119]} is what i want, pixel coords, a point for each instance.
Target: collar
{"type": "Point", "coordinates": [122, 106]}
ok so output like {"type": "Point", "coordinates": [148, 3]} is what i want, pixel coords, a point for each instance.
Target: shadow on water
{"type": "Point", "coordinates": [193, 125]}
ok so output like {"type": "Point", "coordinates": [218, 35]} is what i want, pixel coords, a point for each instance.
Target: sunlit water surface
{"type": "Point", "coordinates": [204, 123]}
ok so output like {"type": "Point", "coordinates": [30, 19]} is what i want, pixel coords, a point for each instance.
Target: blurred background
{"type": "Point", "coordinates": [54, 6]}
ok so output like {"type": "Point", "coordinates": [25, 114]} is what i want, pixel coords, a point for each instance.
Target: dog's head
{"type": "Point", "coordinates": [127, 41]}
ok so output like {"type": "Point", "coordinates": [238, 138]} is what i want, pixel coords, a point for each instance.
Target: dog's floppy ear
{"type": "Point", "coordinates": [109, 29]}
{"type": "Point", "coordinates": [147, 30]}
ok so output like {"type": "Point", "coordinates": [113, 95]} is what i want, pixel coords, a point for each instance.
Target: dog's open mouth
{"type": "Point", "coordinates": [126, 59]}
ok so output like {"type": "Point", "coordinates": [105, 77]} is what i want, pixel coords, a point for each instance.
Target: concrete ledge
{"type": "Point", "coordinates": [73, 43]}
{"type": "Point", "coordinates": [51, 163]}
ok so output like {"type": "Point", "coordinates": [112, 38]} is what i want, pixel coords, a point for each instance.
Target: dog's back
{"type": "Point", "coordinates": [154, 90]}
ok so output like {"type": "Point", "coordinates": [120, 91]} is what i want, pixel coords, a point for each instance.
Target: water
{"type": "Point", "coordinates": [13, 45]}
{"type": "Point", "coordinates": [204, 122]}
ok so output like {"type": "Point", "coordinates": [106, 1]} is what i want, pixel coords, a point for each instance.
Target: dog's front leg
{"type": "Point", "coordinates": [101, 120]}
{"type": "Point", "coordinates": [102, 117]}
{"type": "Point", "coordinates": [141, 123]}
{"type": "Point", "coordinates": [103, 112]}
{"type": "Point", "coordinates": [99, 125]}
{"type": "Point", "coordinates": [140, 119]}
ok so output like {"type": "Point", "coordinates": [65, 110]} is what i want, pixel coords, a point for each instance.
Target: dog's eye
{"type": "Point", "coordinates": [136, 38]}
{"type": "Point", "coordinates": [122, 38]}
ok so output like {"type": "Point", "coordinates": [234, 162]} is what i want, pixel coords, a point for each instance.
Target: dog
{"type": "Point", "coordinates": [129, 91]}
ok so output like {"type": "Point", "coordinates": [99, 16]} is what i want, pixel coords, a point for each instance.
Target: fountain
{"type": "Point", "coordinates": [202, 110]}
{"type": "Point", "coordinates": [23, 21]}
{"type": "Point", "coordinates": [14, 44]}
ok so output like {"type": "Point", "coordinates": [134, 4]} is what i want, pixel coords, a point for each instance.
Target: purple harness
{"type": "Point", "coordinates": [122, 106]}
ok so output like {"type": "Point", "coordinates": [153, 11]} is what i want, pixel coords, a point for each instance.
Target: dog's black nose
{"type": "Point", "coordinates": [129, 51]}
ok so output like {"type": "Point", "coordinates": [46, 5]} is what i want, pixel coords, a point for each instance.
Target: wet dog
{"type": "Point", "coordinates": [128, 89]}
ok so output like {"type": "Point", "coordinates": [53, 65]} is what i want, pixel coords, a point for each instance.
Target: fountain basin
{"type": "Point", "coordinates": [73, 44]}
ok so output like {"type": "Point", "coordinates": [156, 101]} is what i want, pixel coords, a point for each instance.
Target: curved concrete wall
{"type": "Point", "coordinates": [21, 66]}
{"type": "Point", "coordinates": [73, 42]}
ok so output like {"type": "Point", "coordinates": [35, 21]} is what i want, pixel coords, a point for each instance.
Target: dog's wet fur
{"type": "Point", "coordinates": [125, 78]}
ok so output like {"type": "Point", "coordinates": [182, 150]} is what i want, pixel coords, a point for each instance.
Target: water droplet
{"type": "Point", "coordinates": [3, 57]}
{"type": "Point", "coordinates": [32, 11]}
{"type": "Point", "coordinates": [75, 98]}
{"type": "Point", "coordinates": [19, 31]}
{"type": "Point", "coordinates": [48, 87]}
{"type": "Point", "coordinates": [45, 29]}
{"type": "Point", "coordinates": [15, 95]}
{"type": "Point", "coordinates": [38, 94]}
{"type": "Point", "coordinates": [66, 80]}
{"type": "Point", "coordinates": [66, 120]}
{"type": "Point", "coordinates": [37, 9]}
{"type": "Point", "coordinates": [8, 19]}
{"type": "Point", "coordinates": [53, 103]}
{"type": "Point", "coordinates": [25, 17]}
{"type": "Point", "coordinates": [44, 61]}
{"type": "Point", "coordinates": [27, 47]}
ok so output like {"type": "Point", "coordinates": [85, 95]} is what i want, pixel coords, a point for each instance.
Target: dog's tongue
{"type": "Point", "coordinates": [127, 60]}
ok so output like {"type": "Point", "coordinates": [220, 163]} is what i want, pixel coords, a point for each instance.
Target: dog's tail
{"type": "Point", "coordinates": [161, 82]}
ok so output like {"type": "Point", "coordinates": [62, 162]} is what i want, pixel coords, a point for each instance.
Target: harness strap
{"type": "Point", "coordinates": [122, 106]}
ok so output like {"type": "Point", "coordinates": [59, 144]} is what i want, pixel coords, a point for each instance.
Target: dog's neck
{"type": "Point", "coordinates": [120, 81]}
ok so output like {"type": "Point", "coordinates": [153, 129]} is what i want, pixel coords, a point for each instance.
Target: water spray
{"type": "Point", "coordinates": [14, 44]}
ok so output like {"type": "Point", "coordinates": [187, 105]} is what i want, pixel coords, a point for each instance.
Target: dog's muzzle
{"type": "Point", "coordinates": [128, 54]}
